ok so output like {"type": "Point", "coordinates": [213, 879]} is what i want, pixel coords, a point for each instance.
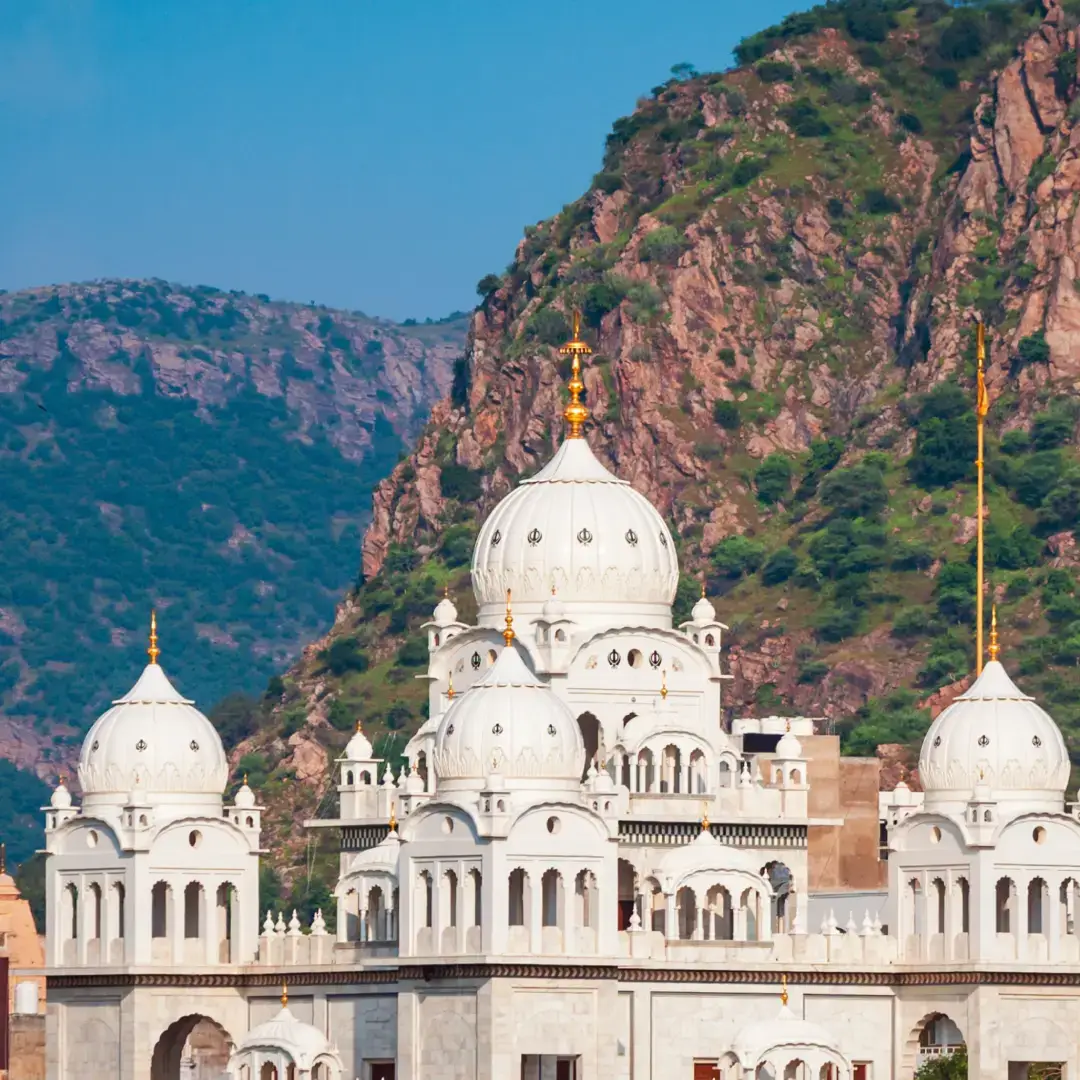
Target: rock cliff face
{"type": "Point", "coordinates": [780, 269]}
{"type": "Point", "coordinates": [208, 453]}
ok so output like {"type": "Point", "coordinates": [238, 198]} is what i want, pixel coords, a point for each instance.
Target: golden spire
{"type": "Point", "coordinates": [575, 414]}
{"type": "Point", "coordinates": [3, 858]}
{"type": "Point", "coordinates": [284, 994]}
{"type": "Point", "coordinates": [982, 406]}
{"type": "Point", "coordinates": [704, 816]}
{"type": "Point", "coordinates": [446, 591]}
{"type": "Point", "coordinates": [245, 779]}
{"type": "Point", "coordinates": [995, 649]}
{"type": "Point", "coordinates": [450, 687]}
{"type": "Point", "coordinates": [508, 633]}
{"type": "Point", "coordinates": [153, 652]}
{"type": "Point", "coordinates": [787, 725]}
{"type": "Point", "coordinates": [393, 819]}
{"type": "Point", "coordinates": [702, 588]}
{"type": "Point", "coordinates": [663, 687]}
{"type": "Point", "coordinates": [783, 991]}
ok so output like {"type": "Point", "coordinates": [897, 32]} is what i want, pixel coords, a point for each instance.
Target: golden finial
{"type": "Point", "coordinates": [3, 858]}
{"type": "Point", "coordinates": [994, 649]}
{"type": "Point", "coordinates": [783, 991]}
{"type": "Point", "coordinates": [982, 407]}
{"type": "Point", "coordinates": [787, 724]}
{"type": "Point", "coordinates": [245, 779]}
{"type": "Point", "coordinates": [393, 819]}
{"type": "Point", "coordinates": [153, 652]}
{"type": "Point", "coordinates": [450, 687]}
{"type": "Point", "coordinates": [575, 414]}
{"type": "Point", "coordinates": [703, 589]}
{"type": "Point", "coordinates": [663, 687]}
{"type": "Point", "coordinates": [704, 816]}
{"type": "Point", "coordinates": [508, 633]}
{"type": "Point", "coordinates": [446, 591]}
{"type": "Point", "coordinates": [284, 994]}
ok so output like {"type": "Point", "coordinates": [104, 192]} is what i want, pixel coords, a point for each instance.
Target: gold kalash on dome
{"type": "Point", "coordinates": [575, 413]}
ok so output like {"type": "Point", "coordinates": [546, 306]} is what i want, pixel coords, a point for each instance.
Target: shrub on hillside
{"type": "Point", "coordinates": [945, 439]}
{"type": "Point", "coordinates": [772, 480]}
{"type": "Point", "coordinates": [663, 245]}
{"type": "Point", "coordinates": [726, 414]}
{"type": "Point", "coordinates": [414, 653]}
{"type": "Point", "coordinates": [737, 556]}
{"type": "Point", "coordinates": [461, 483]}
{"type": "Point", "coordinates": [858, 491]}
{"type": "Point", "coordinates": [779, 566]}
{"type": "Point", "coordinates": [343, 655]}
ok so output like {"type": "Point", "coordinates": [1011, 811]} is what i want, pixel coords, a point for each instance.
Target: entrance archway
{"type": "Point", "coordinates": [590, 732]}
{"type": "Point", "coordinates": [194, 1048]}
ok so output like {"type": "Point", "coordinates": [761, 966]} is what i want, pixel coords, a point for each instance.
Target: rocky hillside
{"type": "Point", "coordinates": [780, 268]}
{"type": "Point", "coordinates": [208, 453]}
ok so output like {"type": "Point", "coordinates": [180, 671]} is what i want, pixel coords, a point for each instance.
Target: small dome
{"type": "Point", "coordinates": [578, 527]}
{"type": "Point", "coordinates": [445, 613]}
{"type": "Point", "coordinates": [61, 797]}
{"type": "Point", "coordinates": [155, 742]}
{"type": "Point", "coordinates": [303, 1043]}
{"type": "Point", "coordinates": [509, 722]}
{"type": "Point", "coordinates": [245, 797]}
{"type": "Point", "coordinates": [358, 747]}
{"type": "Point", "coordinates": [786, 1033]}
{"type": "Point", "coordinates": [705, 853]}
{"type": "Point", "coordinates": [997, 736]}
{"type": "Point", "coordinates": [554, 609]}
{"type": "Point", "coordinates": [703, 611]}
{"type": "Point", "coordinates": [788, 747]}
{"type": "Point", "coordinates": [383, 857]}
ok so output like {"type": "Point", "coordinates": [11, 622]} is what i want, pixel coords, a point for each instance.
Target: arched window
{"type": "Point", "coordinates": [938, 889]}
{"type": "Point", "coordinates": [590, 733]}
{"type": "Point", "coordinates": [1036, 906]}
{"type": "Point", "coordinates": [586, 899]}
{"type": "Point", "coordinates": [781, 906]}
{"type": "Point", "coordinates": [375, 915]}
{"type": "Point", "coordinates": [796, 777]}
{"type": "Point", "coordinates": [518, 896]}
{"type": "Point", "coordinates": [964, 891]}
{"type": "Point", "coordinates": [551, 898]}
{"type": "Point", "coordinates": [427, 890]}
{"type": "Point", "coordinates": [914, 898]}
{"type": "Point", "coordinates": [1005, 901]}
{"type": "Point", "coordinates": [451, 880]}
{"type": "Point", "coordinates": [475, 883]}
{"type": "Point", "coordinates": [71, 896]}
{"type": "Point", "coordinates": [95, 910]}
{"type": "Point", "coordinates": [192, 904]}
{"type": "Point", "coordinates": [686, 912]}
{"type": "Point", "coordinates": [119, 896]}
{"type": "Point", "coordinates": [725, 774]}
{"type": "Point", "coordinates": [349, 779]}
{"type": "Point", "coordinates": [159, 910]}
{"type": "Point", "coordinates": [671, 769]}
{"type": "Point", "coordinates": [721, 914]}
{"type": "Point", "coordinates": [223, 902]}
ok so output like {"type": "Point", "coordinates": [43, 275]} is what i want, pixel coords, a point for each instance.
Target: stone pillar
{"type": "Point", "coordinates": [671, 922]}
{"type": "Point", "coordinates": [82, 919]}
{"type": "Point", "coordinates": [684, 783]}
{"type": "Point", "coordinates": [699, 930]}
{"type": "Point", "coordinates": [740, 921]}
{"type": "Point", "coordinates": [174, 920]}
{"type": "Point", "coordinates": [1019, 923]}
{"type": "Point", "coordinates": [572, 918]}
{"type": "Point", "coordinates": [209, 927]}
{"type": "Point", "coordinates": [536, 912]}
{"type": "Point", "coordinates": [463, 918]}
{"type": "Point", "coordinates": [641, 1035]}
{"type": "Point", "coordinates": [1052, 922]}
{"type": "Point", "coordinates": [408, 1036]}
{"type": "Point", "coordinates": [924, 905]}
{"type": "Point", "coordinates": [438, 888]}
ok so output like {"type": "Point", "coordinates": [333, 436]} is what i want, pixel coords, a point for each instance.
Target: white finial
{"type": "Point", "coordinates": [388, 776]}
{"type": "Point", "coordinates": [850, 927]}
{"type": "Point", "coordinates": [867, 924]}
{"type": "Point", "coordinates": [797, 925]}
{"type": "Point", "coordinates": [268, 924]}
{"type": "Point", "coordinates": [834, 926]}
{"type": "Point", "coordinates": [279, 926]}
{"type": "Point", "coordinates": [877, 924]}
{"type": "Point", "coordinates": [744, 776]}
{"type": "Point", "coordinates": [635, 923]}
{"type": "Point", "coordinates": [318, 924]}
{"type": "Point", "coordinates": [294, 925]}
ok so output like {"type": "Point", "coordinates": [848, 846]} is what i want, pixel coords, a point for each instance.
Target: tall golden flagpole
{"type": "Point", "coordinates": [982, 406]}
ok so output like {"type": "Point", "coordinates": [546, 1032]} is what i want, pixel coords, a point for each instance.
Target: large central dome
{"type": "Point", "coordinates": [578, 529]}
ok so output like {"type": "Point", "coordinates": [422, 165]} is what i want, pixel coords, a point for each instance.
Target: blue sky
{"type": "Point", "coordinates": [378, 156]}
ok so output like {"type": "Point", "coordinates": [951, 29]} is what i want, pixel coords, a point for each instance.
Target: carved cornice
{"type": "Point", "coordinates": [272, 977]}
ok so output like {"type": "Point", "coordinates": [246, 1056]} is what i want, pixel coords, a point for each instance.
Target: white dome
{"type": "Point", "coordinates": [553, 609]}
{"type": "Point", "coordinates": [580, 529]}
{"type": "Point", "coordinates": [382, 858]}
{"type": "Point", "coordinates": [61, 797]}
{"type": "Point", "coordinates": [509, 722]}
{"type": "Point", "coordinates": [996, 736]}
{"type": "Point", "coordinates": [304, 1043]}
{"type": "Point", "coordinates": [786, 1032]}
{"type": "Point", "coordinates": [155, 742]}
{"type": "Point", "coordinates": [245, 797]}
{"type": "Point", "coordinates": [788, 747]}
{"type": "Point", "coordinates": [358, 747]}
{"type": "Point", "coordinates": [703, 611]}
{"type": "Point", "coordinates": [445, 613]}
{"type": "Point", "coordinates": [705, 854]}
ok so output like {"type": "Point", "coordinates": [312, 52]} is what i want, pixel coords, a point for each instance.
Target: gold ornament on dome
{"type": "Point", "coordinates": [575, 414]}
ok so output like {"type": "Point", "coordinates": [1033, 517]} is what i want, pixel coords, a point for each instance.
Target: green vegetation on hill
{"type": "Point", "coordinates": [209, 454]}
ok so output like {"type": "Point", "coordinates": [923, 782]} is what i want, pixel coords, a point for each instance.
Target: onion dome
{"type": "Point", "coordinates": [304, 1043]}
{"type": "Point", "coordinates": [703, 612]}
{"type": "Point", "coordinates": [996, 736]}
{"type": "Point", "coordinates": [382, 858]}
{"type": "Point", "coordinates": [358, 747]}
{"type": "Point", "coordinates": [511, 724]}
{"type": "Point", "coordinates": [445, 613]}
{"type": "Point", "coordinates": [578, 528]}
{"type": "Point", "coordinates": [61, 797]}
{"type": "Point", "coordinates": [554, 609]}
{"type": "Point", "coordinates": [245, 797]}
{"type": "Point", "coordinates": [154, 741]}
{"type": "Point", "coordinates": [788, 747]}
{"type": "Point", "coordinates": [783, 1037]}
